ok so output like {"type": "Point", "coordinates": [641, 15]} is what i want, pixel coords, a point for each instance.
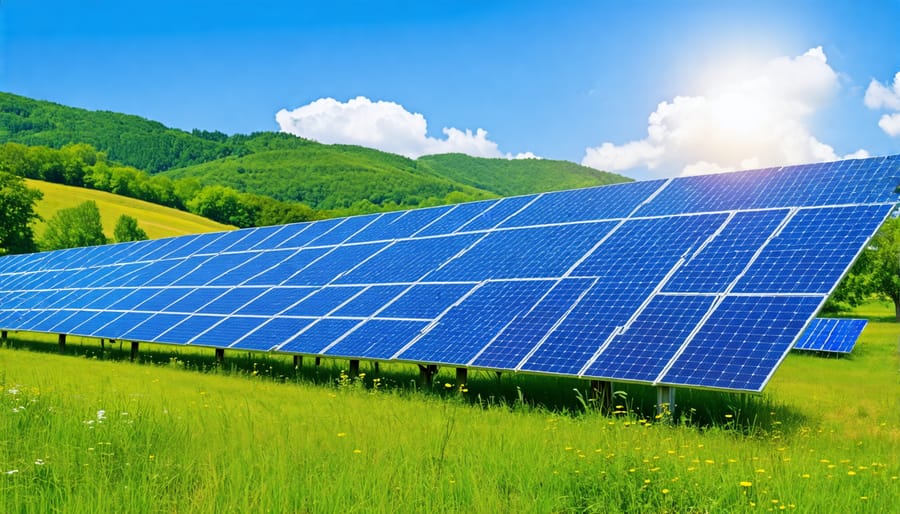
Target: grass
{"type": "Point", "coordinates": [156, 220]}
{"type": "Point", "coordinates": [90, 432]}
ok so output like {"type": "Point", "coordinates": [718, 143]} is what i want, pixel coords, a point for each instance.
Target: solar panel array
{"type": "Point", "coordinates": [701, 281]}
{"type": "Point", "coordinates": [832, 335]}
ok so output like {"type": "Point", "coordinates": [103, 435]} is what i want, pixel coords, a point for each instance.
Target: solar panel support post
{"type": "Point", "coordinates": [665, 402]}
{"type": "Point", "coordinates": [3, 337]}
{"type": "Point", "coordinates": [298, 362]}
{"type": "Point", "coordinates": [354, 368]}
{"type": "Point", "coordinates": [134, 350]}
{"type": "Point", "coordinates": [601, 393]}
{"type": "Point", "coordinates": [427, 373]}
{"type": "Point", "coordinates": [220, 356]}
{"type": "Point", "coordinates": [62, 343]}
{"type": "Point", "coordinates": [318, 361]}
{"type": "Point", "coordinates": [462, 376]}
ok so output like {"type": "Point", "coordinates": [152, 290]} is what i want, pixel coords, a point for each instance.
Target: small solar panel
{"type": "Point", "coordinates": [832, 335]}
{"type": "Point", "coordinates": [702, 281]}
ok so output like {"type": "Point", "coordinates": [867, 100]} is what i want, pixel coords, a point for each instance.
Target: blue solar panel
{"type": "Point", "coordinates": [377, 339]}
{"type": "Point", "coordinates": [568, 348]}
{"type": "Point", "coordinates": [196, 299]}
{"type": "Point", "coordinates": [497, 213]}
{"type": "Point", "coordinates": [93, 324]}
{"type": "Point", "coordinates": [833, 335]}
{"type": "Point", "coordinates": [187, 329]}
{"type": "Point", "coordinates": [524, 253]}
{"type": "Point", "coordinates": [520, 336]}
{"type": "Point", "coordinates": [229, 330]}
{"type": "Point", "coordinates": [455, 218]}
{"type": "Point", "coordinates": [310, 232]}
{"type": "Point", "coordinates": [592, 204]}
{"type": "Point", "coordinates": [124, 324]}
{"type": "Point", "coordinates": [344, 230]}
{"type": "Point", "coordinates": [645, 250]}
{"type": "Point", "coordinates": [408, 261]}
{"type": "Point", "coordinates": [275, 300]}
{"type": "Point", "coordinates": [152, 327]}
{"type": "Point", "coordinates": [697, 281]}
{"type": "Point", "coordinates": [319, 335]}
{"type": "Point", "coordinates": [323, 301]}
{"type": "Point", "coordinates": [256, 264]}
{"type": "Point", "coordinates": [838, 183]}
{"type": "Point", "coordinates": [812, 258]}
{"type": "Point", "coordinates": [400, 224]}
{"type": "Point", "coordinates": [370, 301]}
{"type": "Point", "coordinates": [489, 308]}
{"type": "Point", "coordinates": [742, 342]}
{"type": "Point", "coordinates": [337, 262]}
{"type": "Point", "coordinates": [287, 268]}
{"type": "Point", "coordinates": [426, 301]}
{"type": "Point", "coordinates": [272, 333]}
{"type": "Point", "coordinates": [233, 300]}
{"type": "Point", "coordinates": [212, 269]}
{"type": "Point", "coordinates": [714, 267]}
{"type": "Point", "coordinates": [642, 351]}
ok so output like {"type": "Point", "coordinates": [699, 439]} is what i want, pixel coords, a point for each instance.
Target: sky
{"type": "Point", "coordinates": [645, 89]}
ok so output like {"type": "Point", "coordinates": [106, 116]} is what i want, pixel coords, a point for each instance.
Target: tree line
{"type": "Point", "coordinates": [81, 165]}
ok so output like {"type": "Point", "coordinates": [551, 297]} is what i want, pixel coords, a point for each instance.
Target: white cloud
{"type": "Point", "coordinates": [755, 122]}
{"type": "Point", "coordinates": [879, 96]}
{"type": "Point", "coordinates": [890, 124]}
{"type": "Point", "coordinates": [387, 126]}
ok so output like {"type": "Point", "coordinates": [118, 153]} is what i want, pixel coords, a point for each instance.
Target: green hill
{"type": "Point", "coordinates": [339, 179]}
{"type": "Point", "coordinates": [515, 177]}
{"type": "Point", "coordinates": [332, 177]}
{"type": "Point", "coordinates": [156, 220]}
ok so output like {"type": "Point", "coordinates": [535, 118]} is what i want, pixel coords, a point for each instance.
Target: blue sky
{"type": "Point", "coordinates": [643, 88]}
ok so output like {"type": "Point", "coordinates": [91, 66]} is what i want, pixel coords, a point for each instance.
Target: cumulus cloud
{"type": "Point", "coordinates": [880, 96]}
{"type": "Point", "coordinates": [386, 126]}
{"type": "Point", "coordinates": [755, 122]}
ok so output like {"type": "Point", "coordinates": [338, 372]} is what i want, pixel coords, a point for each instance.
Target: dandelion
{"type": "Point", "coordinates": [851, 473]}
{"type": "Point", "coordinates": [448, 385]}
{"type": "Point", "coordinates": [342, 434]}
{"type": "Point", "coordinates": [357, 451]}
{"type": "Point", "coordinates": [665, 491]}
{"type": "Point", "coordinates": [746, 483]}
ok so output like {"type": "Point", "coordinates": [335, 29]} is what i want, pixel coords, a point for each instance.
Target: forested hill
{"type": "Point", "coordinates": [507, 177]}
{"type": "Point", "coordinates": [341, 178]}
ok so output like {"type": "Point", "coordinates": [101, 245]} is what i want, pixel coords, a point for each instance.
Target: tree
{"type": "Point", "coordinates": [74, 227]}
{"type": "Point", "coordinates": [127, 229]}
{"type": "Point", "coordinates": [876, 272]}
{"type": "Point", "coordinates": [17, 206]}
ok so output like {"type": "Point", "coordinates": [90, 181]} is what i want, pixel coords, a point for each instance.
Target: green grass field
{"type": "Point", "coordinates": [156, 220]}
{"type": "Point", "coordinates": [89, 431]}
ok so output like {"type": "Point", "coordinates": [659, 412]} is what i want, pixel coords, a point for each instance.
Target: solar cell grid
{"type": "Point", "coordinates": [733, 281]}
{"type": "Point", "coordinates": [497, 213]}
{"type": "Point", "coordinates": [833, 335]}
{"type": "Point", "coordinates": [490, 308]}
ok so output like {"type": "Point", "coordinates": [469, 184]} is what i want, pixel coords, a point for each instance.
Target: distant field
{"type": "Point", "coordinates": [156, 220]}
{"type": "Point", "coordinates": [91, 432]}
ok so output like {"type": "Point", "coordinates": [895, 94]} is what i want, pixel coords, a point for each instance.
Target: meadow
{"type": "Point", "coordinates": [156, 220]}
{"type": "Point", "coordinates": [89, 431]}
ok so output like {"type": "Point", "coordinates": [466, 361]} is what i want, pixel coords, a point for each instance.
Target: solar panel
{"type": "Point", "coordinates": [702, 281]}
{"type": "Point", "coordinates": [833, 335]}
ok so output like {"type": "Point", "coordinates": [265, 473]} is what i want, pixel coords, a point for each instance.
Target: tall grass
{"type": "Point", "coordinates": [87, 432]}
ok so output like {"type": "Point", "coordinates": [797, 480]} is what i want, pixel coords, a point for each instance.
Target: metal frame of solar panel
{"type": "Point", "coordinates": [702, 281]}
{"type": "Point", "coordinates": [831, 335]}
